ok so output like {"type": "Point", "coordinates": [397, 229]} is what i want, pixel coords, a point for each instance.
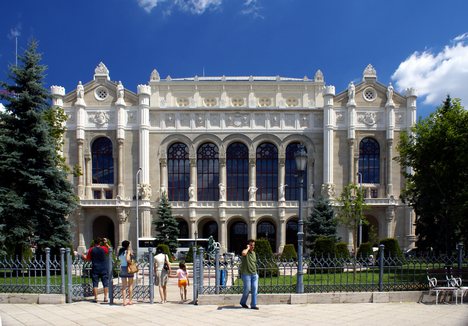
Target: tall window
{"type": "Point", "coordinates": [267, 172]}
{"type": "Point", "coordinates": [178, 172]}
{"type": "Point", "coordinates": [292, 189]}
{"type": "Point", "coordinates": [208, 172]}
{"type": "Point", "coordinates": [237, 169]}
{"type": "Point", "coordinates": [103, 162]}
{"type": "Point", "coordinates": [369, 160]}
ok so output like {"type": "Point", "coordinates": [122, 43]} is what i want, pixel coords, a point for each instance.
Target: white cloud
{"type": "Point", "coordinates": [252, 7]}
{"type": "Point", "coordinates": [435, 75]}
{"type": "Point", "coordinates": [197, 7]}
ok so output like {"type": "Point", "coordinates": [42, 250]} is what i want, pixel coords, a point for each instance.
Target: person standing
{"type": "Point", "coordinates": [183, 281]}
{"type": "Point", "coordinates": [125, 255]}
{"type": "Point", "coordinates": [162, 274]}
{"type": "Point", "coordinates": [97, 255]}
{"type": "Point", "coordinates": [249, 275]}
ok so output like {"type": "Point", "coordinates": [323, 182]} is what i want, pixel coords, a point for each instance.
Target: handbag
{"type": "Point", "coordinates": [166, 265]}
{"type": "Point", "coordinates": [132, 267]}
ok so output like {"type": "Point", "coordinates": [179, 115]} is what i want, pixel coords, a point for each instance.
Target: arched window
{"type": "Point", "coordinates": [210, 228]}
{"type": "Point", "coordinates": [369, 160]}
{"type": "Point", "coordinates": [292, 188]}
{"type": "Point", "coordinates": [237, 237]}
{"type": "Point", "coordinates": [208, 172]}
{"type": "Point", "coordinates": [178, 172]}
{"type": "Point", "coordinates": [103, 162]}
{"type": "Point", "coordinates": [183, 229]}
{"type": "Point", "coordinates": [267, 230]}
{"type": "Point", "coordinates": [237, 170]}
{"type": "Point", "coordinates": [267, 172]}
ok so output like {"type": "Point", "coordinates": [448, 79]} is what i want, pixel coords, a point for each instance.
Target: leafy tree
{"type": "Point", "coordinates": [35, 196]}
{"type": "Point", "coordinates": [437, 186]}
{"type": "Point", "coordinates": [166, 226]}
{"type": "Point", "coordinates": [350, 210]}
{"type": "Point", "coordinates": [321, 222]}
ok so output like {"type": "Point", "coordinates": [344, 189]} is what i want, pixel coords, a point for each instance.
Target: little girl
{"type": "Point", "coordinates": [183, 281]}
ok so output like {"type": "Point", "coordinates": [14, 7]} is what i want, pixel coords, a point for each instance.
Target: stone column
{"type": "Point", "coordinates": [351, 105]}
{"type": "Point", "coordinates": [163, 176]}
{"type": "Point", "coordinates": [252, 188]}
{"type": "Point", "coordinates": [222, 180]}
{"type": "Point", "coordinates": [193, 179]}
{"type": "Point", "coordinates": [282, 178]}
{"type": "Point", "coordinates": [223, 238]}
{"type": "Point", "coordinates": [123, 217]}
{"type": "Point", "coordinates": [328, 146]}
{"type": "Point", "coordinates": [390, 216]}
{"type": "Point", "coordinates": [144, 92]}
{"type": "Point", "coordinates": [120, 169]}
{"type": "Point", "coordinates": [81, 230]}
{"type": "Point", "coordinates": [80, 135]}
{"type": "Point", "coordinates": [88, 173]}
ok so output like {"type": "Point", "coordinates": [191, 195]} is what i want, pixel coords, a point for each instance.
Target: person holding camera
{"type": "Point", "coordinates": [249, 275]}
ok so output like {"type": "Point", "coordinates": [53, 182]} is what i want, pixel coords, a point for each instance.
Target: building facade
{"type": "Point", "coordinates": [222, 149]}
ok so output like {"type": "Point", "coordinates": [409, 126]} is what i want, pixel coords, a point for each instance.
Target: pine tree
{"type": "Point", "coordinates": [321, 222]}
{"type": "Point", "coordinates": [166, 226]}
{"type": "Point", "coordinates": [35, 195]}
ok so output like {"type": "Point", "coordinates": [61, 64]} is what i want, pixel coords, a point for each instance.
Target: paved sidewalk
{"type": "Point", "coordinates": [87, 313]}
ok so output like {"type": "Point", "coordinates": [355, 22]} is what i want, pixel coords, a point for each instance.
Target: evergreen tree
{"type": "Point", "coordinates": [166, 226]}
{"type": "Point", "coordinates": [437, 185]}
{"type": "Point", "coordinates": [321, 222]}
{"type": "Point", "coordinates": [35, 195]}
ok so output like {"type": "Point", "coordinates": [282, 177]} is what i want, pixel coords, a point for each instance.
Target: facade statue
{"type": "Point", "coordinates": [79, 91]}
{"type": "Point", "coordinates": [282, 192]}
{"type": "Point", "coordinates": [191, 192]}
{"type": "Point", "coordinates": [222, 192]}
{"type": "Point", "coordinates": [252, 192]}
{"type": "Point", "coordinates": [120, 91]}
{"type": "Point", "coordinates": [351, 92]}
{"type": "Point", "coordinates": [390, 94]}
{"type": "Point", "coordinates": [311, 191]}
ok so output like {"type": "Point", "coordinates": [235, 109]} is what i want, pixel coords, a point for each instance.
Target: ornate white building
{"type": "Point", "coordinates": [222, 148]}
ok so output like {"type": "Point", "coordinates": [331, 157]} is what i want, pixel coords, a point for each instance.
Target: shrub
{"type": "Point", "coordinates": [266, 265]}
{"type": "Point", "coordinates": [392, 248]}
{"type": "Point", "coordinates": [364, 250]}
{"type": "Point", "coordinates": [289, 252]}
{"type": "Point", "coordinates": [189, 255]}
{"type": "Point", "coordinates": [324, 246]}
{"type": "Point", "coordinates": [342, 250]}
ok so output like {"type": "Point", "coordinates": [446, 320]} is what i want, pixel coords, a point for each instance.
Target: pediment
{"type": "Point", "coordinates": [100, 92]}
{"type": "Point", "coordinates": [369, 94]}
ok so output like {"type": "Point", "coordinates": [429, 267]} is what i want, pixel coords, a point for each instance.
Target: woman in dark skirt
{"type": "Point", "coordinates": [125, 255]}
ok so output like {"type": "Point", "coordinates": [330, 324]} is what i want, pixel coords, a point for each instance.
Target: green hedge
{"type": "Point", "coordinates": [365, 250]}
{"type": "Point", "coordinates": [342, 250]}
{"type": "Point", "coordinates": [289, 252]}
{"type": "Point", "coordinates": [324, 246]}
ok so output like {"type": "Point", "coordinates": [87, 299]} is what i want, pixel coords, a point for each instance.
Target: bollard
{"type": "Point", "coordinates": [69, 276]}
{"type": "Point", "coordinates": [111, 278]}
{"type": "Point", "coordinates": [200, 270]}
{"type": "Point", "coordinates": [195, 276]}
{"type": "Point", "coordinates": [47, 250]}
{"type": "Point", "coordinates": [381, 266]}
{"type": "Point", "coordinates": [217, 271]}
{"type": "Point", "coordinates": [151, 275]}
{"type": "Point", "coordinates": [62, 269]}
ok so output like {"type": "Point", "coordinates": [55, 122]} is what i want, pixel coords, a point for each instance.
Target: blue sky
{"type": "Point", "coordinates": [423, 44]}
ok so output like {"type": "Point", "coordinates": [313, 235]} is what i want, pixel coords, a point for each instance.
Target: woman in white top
{"type": "Point", "coordinates": [162, 274]}
{"type": "Point", "coordinates": [125, 255]}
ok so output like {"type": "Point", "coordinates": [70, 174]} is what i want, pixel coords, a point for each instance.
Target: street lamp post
{"type": "Point", "coordinates": [360, 219]}
{"type": "Point", "coordinates": [301, 164]}
{"type": "Point", "coordinates": [137, 194]}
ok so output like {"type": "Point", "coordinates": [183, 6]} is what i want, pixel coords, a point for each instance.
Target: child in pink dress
{"type": "Point", "coordinates": [183, 281]}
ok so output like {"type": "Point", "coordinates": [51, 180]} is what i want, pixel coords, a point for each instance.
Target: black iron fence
{"type": "Point", "coordinates": [71, 276]}
{"type": "Point", "coordinates": [221, 273]}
